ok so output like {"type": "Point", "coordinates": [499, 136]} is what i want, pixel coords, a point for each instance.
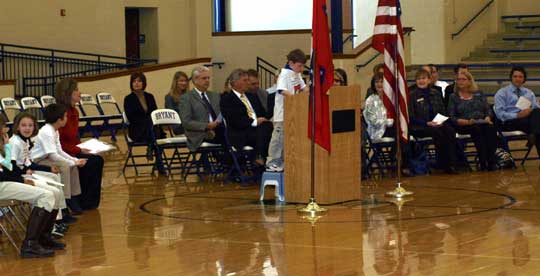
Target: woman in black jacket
{"type": "Point", "coordinates": [138, 106]}
{"type": "Point", "coordinates": [424, 104]}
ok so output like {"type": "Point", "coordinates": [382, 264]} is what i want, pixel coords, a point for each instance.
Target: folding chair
{"type": "Point", "coordinates": [243, 161]}
{"type": "Point", "coordinates": [131, 145]}
{"type": "Point", "coordinates": [109, 107]}
{"type": "Point", "coordinates": [516, 135]}
{"type": "Point", "coordinates": [10, 220]}
{"type": "Point", "coordinates": [90, 114]}
{"type": "Point", "coordinates": [10, 109]}
{"type": "Point", "coordinates": [169, 118]}
{"type": "Point", "coordinates": [46, 100]}
{"type": "Point", "coordinates": [32, 105]}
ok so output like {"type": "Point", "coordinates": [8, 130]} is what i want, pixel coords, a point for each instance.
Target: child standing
{"type": "Point", "coordinates": [289, 82]}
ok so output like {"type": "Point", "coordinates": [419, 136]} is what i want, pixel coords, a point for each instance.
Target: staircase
{"type": "Point", "coordinates": [490, 63]}
{"type": "Point", "coordinates": [520, 41]}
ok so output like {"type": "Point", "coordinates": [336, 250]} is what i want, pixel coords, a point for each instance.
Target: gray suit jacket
{"type": "Point", "coordinates": [194, 116]}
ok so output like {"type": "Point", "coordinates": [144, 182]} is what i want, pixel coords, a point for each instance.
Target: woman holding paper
{"type": "Point", "coordinates": [67, 93]}
{"type": "Point", "coordinates": [470, 113]}
{"type": "Point", "coordinates": [427, 119]}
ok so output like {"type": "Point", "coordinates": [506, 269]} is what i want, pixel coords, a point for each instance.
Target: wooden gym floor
{"type": "Point", "coordinates": [475, 223]}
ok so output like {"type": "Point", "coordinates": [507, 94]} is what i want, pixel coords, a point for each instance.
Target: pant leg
{"type": "Point", "coordinates": [478, 138]}
{"type": "Point", "coordinates": [36, 196]}
{"type": "Point", "coordinates": [491, 140]}
{"type": "Point", "coordinates": [69, 176]}
{"type": "Point", "coordinates": [90, 177]}
{"type": "Point", "coordinates": [264, 134]}
{"type": "Point", "coordinates": [534, 121]}
{"type": "Point", "coordinates": [275, 150]}
{"type": "Point", "coordinates": [60, 197]}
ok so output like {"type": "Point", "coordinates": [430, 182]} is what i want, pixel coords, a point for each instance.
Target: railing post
{"type": "Point", "coordinates": [3, 60]}
{"type": "Point", "coordinates": [99, 64]}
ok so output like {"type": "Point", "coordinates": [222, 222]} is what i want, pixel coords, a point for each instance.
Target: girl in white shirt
{"type": "Point", "coordinates": [48, 151]}
{"type": "Point", "coordinates": [37, 242]}
{"type": "Point", "coordinates": [24, 130]}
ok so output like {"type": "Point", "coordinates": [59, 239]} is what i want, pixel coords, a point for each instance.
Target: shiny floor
{"type": "Point", "coordinates": [475, 223]}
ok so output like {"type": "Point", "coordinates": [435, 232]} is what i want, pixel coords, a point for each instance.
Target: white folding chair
{"type": "Point", "coordinates": [108, 106]}
{"type": "Point", "coordinates": [131, 158]}
{"type": "Point", "coordinates": [32, 105]}
{"type": "Point", "coordinates": [46, 100]}
{"type": "Point", "coordinates": [10, 109]}
{"type": "Point", "coordinates": [169, 118]}
{"type": "Point", "coordinates": [91, 115]}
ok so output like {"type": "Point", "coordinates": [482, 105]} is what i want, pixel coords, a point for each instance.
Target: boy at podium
{"type": "Point", "coordinates": [289, 82]}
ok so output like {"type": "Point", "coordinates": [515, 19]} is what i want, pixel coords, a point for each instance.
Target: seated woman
{"type": "Point", "coordinates": [179, 86]}
{"type": "Point", "coordinates": [376, 117]}
{"type": "Point", "coordinates": [471, 114]}
{"type": "Point", "coordinates": [424, 104]}
{"type": "Point", "coordinates": [138, 106]}
{"type": "Point", "coordinates": [340, 77]}
{"type": "Point", "coordinates": [67, 94]}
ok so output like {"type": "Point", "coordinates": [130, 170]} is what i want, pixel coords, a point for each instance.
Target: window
{"type": "Point", "coordinates": [263, 15]}
{"type": "Point", "coordinates": [364, 12]}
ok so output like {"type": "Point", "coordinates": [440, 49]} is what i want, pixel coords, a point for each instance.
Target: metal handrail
{"type": "Point", "coordinates": [2, 45]}
{"type": "Point", "coordinates": [472, 19]}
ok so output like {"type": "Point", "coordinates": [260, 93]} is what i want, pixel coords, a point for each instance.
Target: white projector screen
{"type": "Point", "coordinates": [264, 15]}
{"type": "Point", "coordinates": [364, 12]}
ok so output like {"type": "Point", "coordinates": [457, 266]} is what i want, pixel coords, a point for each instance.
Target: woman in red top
{"type": "Point", "coordinates": [67, 93]}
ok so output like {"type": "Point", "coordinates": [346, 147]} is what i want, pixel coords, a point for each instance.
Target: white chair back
{"type": "Point", "coordinates": [165, 117]}
{"type": "Point", "coordinates": [30, 103]}
{"type": "Point", "coordinates": [10, 103]}
{"type": "Point", "coordinates": [87, 99]}
{"type": "Point", "coordinates": [47, 100]}
{"type": "Point", "coordinates": [104, 97]}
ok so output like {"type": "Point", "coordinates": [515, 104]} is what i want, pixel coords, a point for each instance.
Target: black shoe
{"type": "Point", "coordinates": [32, 249]}
{"type": "Point", "coordinates": [451, 170]}
{"type": "Point", "coordinates": [69, 219]}
{"type": "Point", "coordinates": [74, 206]}
{"type": "Point", "coordinates": [49, 243]}
{"type": "Point", "coordinates": [492, 167]}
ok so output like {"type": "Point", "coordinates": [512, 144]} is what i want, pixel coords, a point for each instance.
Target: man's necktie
{"type": "Point", "coordinates": [244, 99]}
{"type": "Point", "coordinates": [209, 107]}
{"type": "Point", "coordinates": [518, 92]}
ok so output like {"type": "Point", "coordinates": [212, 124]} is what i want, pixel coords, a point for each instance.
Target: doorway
{"type": "Point", "coordinates": [142, 33]}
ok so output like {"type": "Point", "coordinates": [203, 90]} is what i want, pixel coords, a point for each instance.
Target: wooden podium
{"type": "Point", "coordinates": [337, 175]}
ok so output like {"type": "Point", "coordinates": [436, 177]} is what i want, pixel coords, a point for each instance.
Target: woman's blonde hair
{"type": "Point", "coordinates": [473, 87]}
{"type": "Point", "coordinates": [175, 91]}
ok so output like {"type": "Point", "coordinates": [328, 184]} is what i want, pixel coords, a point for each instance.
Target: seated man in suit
{"type": "Point", "coordinates": [200, 112]}
{"type": "Point", "coordinates": [245, 117]}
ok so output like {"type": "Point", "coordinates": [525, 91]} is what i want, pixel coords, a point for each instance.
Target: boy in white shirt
{"type": "Point", "coordinates": [289, 82]}
{"type": "Point", "coordinates": [48, 151]}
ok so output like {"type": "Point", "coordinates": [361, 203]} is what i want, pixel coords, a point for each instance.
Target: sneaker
{"type": "Point", "coordinates": [274, 168]}
{"type": "Point", "coordinates": [56, 233]}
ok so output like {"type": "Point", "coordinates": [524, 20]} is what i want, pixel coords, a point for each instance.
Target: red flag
{"type": "Point", "coordinates": [322, 74]}
{"type": "Point", "coordinates": [388, 40]}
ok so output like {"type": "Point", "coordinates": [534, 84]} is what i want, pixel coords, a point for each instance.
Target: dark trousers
{"type": "Point", "coordinates": [90, 177]}
{"type": "Point", "coordinates": [485, 140]}
{"type": "Point", "coordinates": [444, 138]}
{"type": "Point", "coordinates": [529, 125]}
{"type": "Point", "coordinates": [256, 137]}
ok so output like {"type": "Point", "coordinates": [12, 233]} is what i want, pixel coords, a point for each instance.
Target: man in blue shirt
{"type": "Point", "coordinates": [526, 119]}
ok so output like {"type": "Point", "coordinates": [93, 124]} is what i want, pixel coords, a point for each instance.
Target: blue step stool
{"type": "Point", "coordinates": [273, 179]}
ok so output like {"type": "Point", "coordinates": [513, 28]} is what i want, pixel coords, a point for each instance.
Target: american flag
{"type": "Point", "coordinates": [388, 40]}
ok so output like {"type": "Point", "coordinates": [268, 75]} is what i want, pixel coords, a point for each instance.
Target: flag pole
{"type": "Point", "coordinates": [312, 209]}
{"type": "Point", "coordinates": [399, 191]}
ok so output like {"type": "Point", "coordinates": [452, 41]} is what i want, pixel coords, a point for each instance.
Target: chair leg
{"type": "Point", "coordinates": [526, 156]}
{"type": "Point", "coordinates": [6, 232]}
